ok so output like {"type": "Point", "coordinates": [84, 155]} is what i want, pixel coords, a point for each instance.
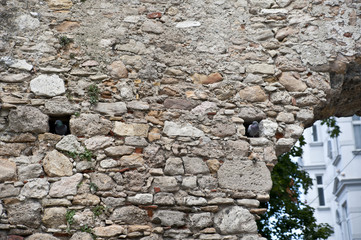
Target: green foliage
{"type": "Point", "coordinates": [288, 218]}
{"type": "Point", "coordinates": [86, 155]}
{"type": "Point", "coordinates": [64, 41]}
{"type": "Point", "coordinates": [87, 229]}
{"type": "Point", "coordinates": [93, 94]}
{"type": "Point", "coordinates": [98, 210]}
{"type": "Point", "coordinates": [93, 187]}
{"type": "Point", "coordinates": [69, 216]}
{"type": "Point", "coordinates": [333, 128]}
{"type": "Point", "coordinates": [77, 114]}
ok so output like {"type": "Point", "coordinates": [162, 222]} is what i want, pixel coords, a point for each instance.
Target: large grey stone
{"type": "Point", "coordinates": [54, 217]}
{"type": "Point", "coordinates": [37, 188]}
{"type": "Point", "coordinates": [111, 109]}
{"type": "Point", "coordinates": [66, 186]}
{"type": "Point", "coordinates": [89, 125]}
{"type": "Point", "coordinates": [138, 105]}
{"type": "Point", "coordinates": [245, 176]}
{"type": "Point", "coordinates": [174, 166]}
{"type": "Point", "coordinates": [7, 170]}
{"type": "Point", "coordinates": [194, 165]}
{"type": "Point", "coordinates": [178, 104]}
{"type": "Point", "coordinates": [204, 108]}
{"type": "Point", "coordinates": [14, 78]}
{"type": "Point", "coordinates": [113, 202]}
{"type": "Point", "coordinates": [28, 119]}
{"type": "Point", "coordinates": [166, 184]}
{"type": "Point", "coordinates": [207, 182]}
{"type": "Point", "coordinates": [26, 172]}
{"type": "Point", "coordinates": [237, 149]}
{"type": "Point", "coordinates": [261, 68]}
{"type": "Point", "coordinates": [118, 151]}
{"type": "Point", "coordinates": [69, 143]}
{"type": "Point", "coordinates": [235, 220]}
{"type": "Point", "coordinates": [195, 201]}
{"type": "Point", "coordinates": [47, 85]}
{"type": "Point", "coordinates": [21, 65]}
{"type": "Point", "coordinates": [60, 106]}
{"type": "Point", "coordinates": [164, 199]}
{"type": "Point", "coordinates": [136, 141]}
{"type": "Point", "coordinates": [169, 218]}
{"type": "Point", "coordinates": [102, 181]}
{"type": "Point", "coordinates": [223, 130]}
{"type": "Point", "coordinates": [98, 142]}
{"type": "Point", "coordinates": [57, 164]}
{"type": "Point", "coordinates": [189, 182]}
{"type": "Point", "coordinates": [27, 22]}
{"type": "Point", "coordinates": [130, 215]}
{"type": "Point", "coordinates": [25, 213]}
{"type": "Point", "coordinates": [8, 190]}
{"type": "Point", "coordinates": [201, 220]}
{"type": "Point", "coordinates": [250, 114]}
{"type": "Point", "coordinates": [141, 199]}
{"type": "Point", "coordinates": [173, 129]}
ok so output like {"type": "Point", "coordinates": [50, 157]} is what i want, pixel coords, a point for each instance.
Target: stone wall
{"type": "Point", "coordinates": [157, 96]}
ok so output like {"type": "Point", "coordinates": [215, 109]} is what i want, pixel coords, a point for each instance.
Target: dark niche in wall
{"type": "Point", "coordinates": [251, 130]}
{"type": "Point", "coordinates": [59, 125]}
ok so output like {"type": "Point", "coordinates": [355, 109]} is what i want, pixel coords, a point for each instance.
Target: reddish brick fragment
{"type": "Point", "coordinates": [154, 15]}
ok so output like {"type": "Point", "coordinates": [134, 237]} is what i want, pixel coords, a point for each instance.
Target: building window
{"type": "Point", "coordinates": [321, 194]}
{"type": "Point", "coordinates": [314, 133]}
{"type": "Point", "coordinates": [345, 225]}
{"type": "Point", "coordinates": [329, 149]}
{"type": "Point", "coordinates": [356, 121]}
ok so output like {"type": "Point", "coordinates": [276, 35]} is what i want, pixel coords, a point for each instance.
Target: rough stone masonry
{"type": "Point", "coordinates": [157, 95]}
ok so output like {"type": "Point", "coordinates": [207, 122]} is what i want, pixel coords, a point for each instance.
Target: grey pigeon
{"type": "Point", "coordinates": [60, 127]}
{"type": "Point", "coordinates": [253, 129]}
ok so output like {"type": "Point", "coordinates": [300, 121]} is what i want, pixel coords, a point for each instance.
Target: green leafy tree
{"type": "Point", "coordinates": [288, 218]}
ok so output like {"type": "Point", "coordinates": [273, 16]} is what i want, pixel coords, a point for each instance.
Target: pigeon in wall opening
{"type": "Point", "coordinates": [253, 129]}
{"type": "Point", "coordinates": [60, 127]}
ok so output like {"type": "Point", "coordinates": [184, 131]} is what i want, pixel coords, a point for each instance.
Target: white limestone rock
{"type": "Point", "coordinates": [235, 220]}
{"type": "Point", "coordinates": [173, 129]}
{"type": "Point", "coordinates": [47, 85]}
{"type": "Point", "coordinates": [111, 109]}
{"type": "Point", "coordinates": [244, 176]}
{"type": "Point", "coordinates": [69, 143]}
{"type": "Point", "coordinates": [37, 188]}
{"type": "Point", "coordinates": [66, 186]}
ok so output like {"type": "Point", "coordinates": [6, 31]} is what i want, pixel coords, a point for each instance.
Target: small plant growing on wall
{"type": "Point", "coordinates": [98, 210]}
{"type": "Point", "coordinates": [69, 216]}
{"type": "Point", "coordinates": [93, 94]}
{"type": "Point", "coordinates": [64, 41]}
{"type": "Point", "coordinates": [86, 155]}
{"type": "Point", "coordinates": [93, 187]}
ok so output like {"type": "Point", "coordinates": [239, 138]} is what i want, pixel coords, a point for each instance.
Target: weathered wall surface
{"type": "Point", "coordinates": [159, 94]}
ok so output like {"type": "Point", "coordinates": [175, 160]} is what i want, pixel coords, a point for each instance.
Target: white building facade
{"type": "Point", "coordinates": [334, 164]}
